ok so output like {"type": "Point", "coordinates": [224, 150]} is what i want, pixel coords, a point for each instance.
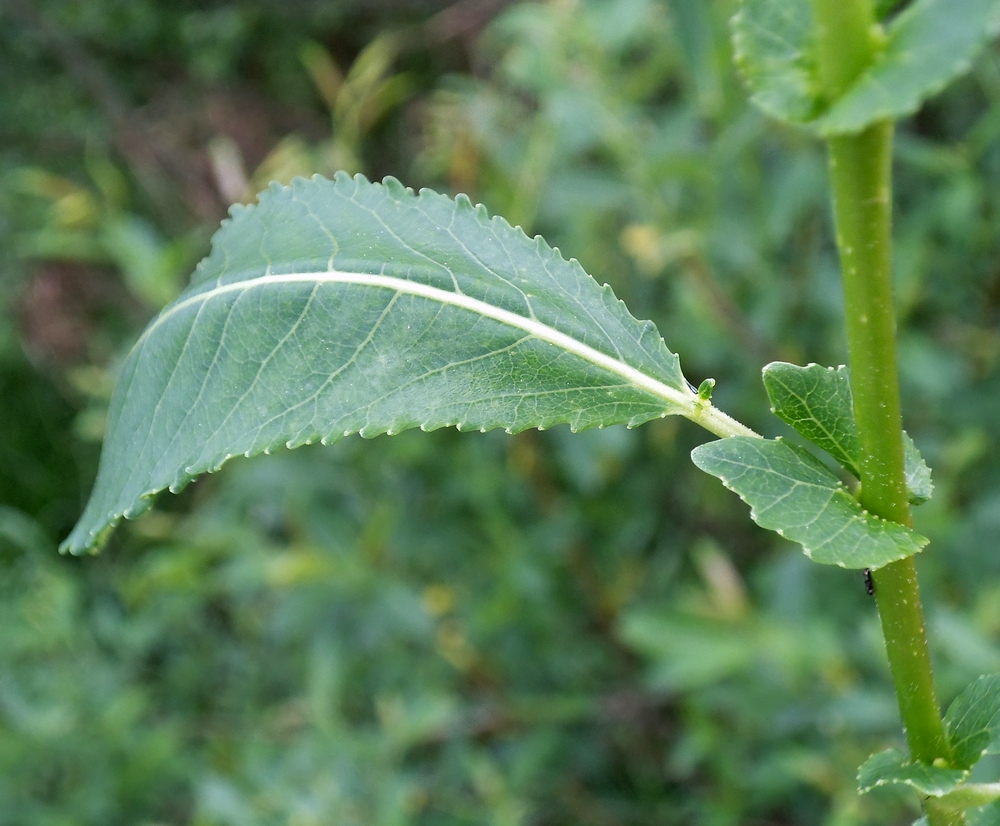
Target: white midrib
{"type": "Point", "coordinates": [683, 399]}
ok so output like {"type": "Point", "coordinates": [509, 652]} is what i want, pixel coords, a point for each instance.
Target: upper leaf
{"type": "Point", "coordinates": [973, 721]}
{"type": "Point", "coordinates": [774, 44]}
{"type": "Point", "coordinates": [339, 307]}
{"type": "Point", "coordinates": [930, 43]}
{"type": "Point", "coordinates": [818, 403]}
{"type": "Point", "coordinates": [790, 492]}
{"type": "Point", "coordinates": [926, 46]}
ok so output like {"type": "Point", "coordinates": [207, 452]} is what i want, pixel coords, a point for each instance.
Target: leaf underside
{"type": "Point", "coordinates": [927, 45]}
{"type": "Point", "coordinates": [818, 403]}
{"type": "Point", "coordinates": [340, 307]}
{"type": "Point", "coordinates": [790, 492]}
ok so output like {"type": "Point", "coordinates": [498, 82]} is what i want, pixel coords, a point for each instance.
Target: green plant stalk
{"type": "Point", "coordinates": [860, 168]}
{"type": "Point", "coordinates": [860, 178]}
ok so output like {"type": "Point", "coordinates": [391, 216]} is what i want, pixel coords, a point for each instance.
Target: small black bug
{"type": "Point", "coordinates": [869, 582]}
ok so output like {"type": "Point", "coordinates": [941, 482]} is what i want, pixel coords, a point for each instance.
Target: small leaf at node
{"type": "Point", "coordinates": [892, 766]}
{"type": "Point", "coordinates": [929, 44]}
{"type": "Point", "coordinates": [926, 46]}
{"type": "Point", "coordinates": [818, 403]}
{"type": "Point", "coordinates": [790, 492]}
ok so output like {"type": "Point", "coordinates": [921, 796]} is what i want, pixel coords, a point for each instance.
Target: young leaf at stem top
{"type": "Point", "coordinates": [926, 46]}
{"type": "Point", "coordinates": [339, 307]}
{"type": "Point", "coordinates": [817, 402]}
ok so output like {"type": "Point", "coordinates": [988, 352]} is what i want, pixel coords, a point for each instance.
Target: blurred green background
{"type": "Point", "coordinates": [457, 628]}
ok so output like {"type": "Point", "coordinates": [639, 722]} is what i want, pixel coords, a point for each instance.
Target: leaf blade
{"type": "Point", "coordinates": [339, 307]}
{"type": "Point", "coordinates": [791, 493]}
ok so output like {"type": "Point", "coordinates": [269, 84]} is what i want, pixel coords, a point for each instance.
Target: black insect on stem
{"type": "Point", "coordinates": [869, 582]}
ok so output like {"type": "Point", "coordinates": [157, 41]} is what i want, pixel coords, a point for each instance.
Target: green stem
{"type": "Point", "coordinates": [860, 177]}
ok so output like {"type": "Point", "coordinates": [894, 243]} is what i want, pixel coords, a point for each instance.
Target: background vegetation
{"type": "Point", "coordinates": [453, 628]}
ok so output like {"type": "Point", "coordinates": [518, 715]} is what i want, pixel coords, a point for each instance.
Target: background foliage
{"type": "Point", "coordinates": [460, 628]}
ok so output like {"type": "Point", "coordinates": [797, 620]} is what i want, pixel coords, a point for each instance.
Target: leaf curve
{"type": "Point", "coordinates": [344, 306]}
{"type": "Point", "coordinates": [790, 492]}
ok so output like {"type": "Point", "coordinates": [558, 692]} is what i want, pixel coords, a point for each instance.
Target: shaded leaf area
{"type": "Point", "coordinates": [341, 307]}
{"type": "Point", "coordinates": [817, 402]}
{"type": "Point", "coordinates": [927, 45]}
{"type": "Point", "coordinates": [793, 494]}
{"type": "Point", "coordinates": [973, 722]}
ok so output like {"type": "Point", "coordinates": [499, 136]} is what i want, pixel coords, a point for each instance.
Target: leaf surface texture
{"type": "Point", "coordinates": [790, 492]}
{"type": "Point", "coordinates": [340, 307]}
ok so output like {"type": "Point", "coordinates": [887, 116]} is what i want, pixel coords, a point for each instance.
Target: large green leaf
{"type": "Point", "coordinates": [339, 307]}
{"type": "Point", "coordinates": [926, 46]}
{"type": "Point", "coordinates": [790, 492]}
{"type": "Point", "coordinates": [817, 401]}
{"type": "Point", "coordinates": [973, 721]}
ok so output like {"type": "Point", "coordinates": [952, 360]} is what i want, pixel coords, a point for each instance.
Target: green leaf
{"type": "Point", "coordinates": [790, 492]}
{"type": "Point", "coordinates": [774, 45]}
{"type": "Point", "coordinates": [817, 402]}
{"type": "Point", "coordinates": [973, 722]}
{"type": "Point", "coordinates": [893, 767]}
{"type": "Point", "coordinates": [919, 487]}
{"type": "Point", "coordinates": [340, 307]}
{"type": "Point", "coordinates": [928, 45]}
